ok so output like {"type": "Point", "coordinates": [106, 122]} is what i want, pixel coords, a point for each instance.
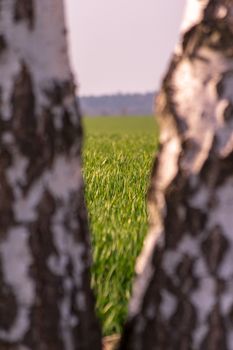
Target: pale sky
{"type": "Point", "coordinates": [121, 45]}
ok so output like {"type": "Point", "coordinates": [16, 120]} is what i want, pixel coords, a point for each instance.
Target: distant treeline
{"type": "Point", "coordinates": [118, 104]}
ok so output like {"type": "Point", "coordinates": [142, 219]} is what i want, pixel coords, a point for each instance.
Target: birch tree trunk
{"type": "Point", "coordinates": [45, 297]}
{"type": "Point", "coordinates": [183, 294]}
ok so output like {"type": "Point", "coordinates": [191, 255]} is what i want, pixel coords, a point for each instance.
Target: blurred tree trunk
{"type": "Point", "coordinates": [183, 294]}
{"type": "Point", "coordinates": [45, 297]}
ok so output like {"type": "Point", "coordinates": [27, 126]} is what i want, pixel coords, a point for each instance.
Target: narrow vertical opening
{"type": "Point", "coordinates": [119, 51]}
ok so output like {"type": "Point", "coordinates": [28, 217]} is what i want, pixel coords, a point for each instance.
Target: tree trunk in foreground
{"type": "Point", "coordinates": [45, 297]}
{"type": "Point", "coordinates": [183, 294]}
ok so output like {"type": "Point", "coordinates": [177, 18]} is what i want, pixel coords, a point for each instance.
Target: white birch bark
{"type": "Point", "coordinates": [45, 297]}
{"type": "Point", "coordinates": [183, 293]}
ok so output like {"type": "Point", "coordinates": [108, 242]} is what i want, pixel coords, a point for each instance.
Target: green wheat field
{"type": "Point", "coordinates": [118, 153]}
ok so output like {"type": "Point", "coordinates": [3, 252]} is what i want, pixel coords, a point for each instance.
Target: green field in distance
{"type": "Point", "coordinates": [118, 153]}
{"type": "Point", "coordinates": [120, 125]}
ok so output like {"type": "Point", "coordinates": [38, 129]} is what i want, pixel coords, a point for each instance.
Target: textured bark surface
{"type": "Point", "coordinates": [183, 294]}
{"type": "Point", "coordinates": [45, 297]}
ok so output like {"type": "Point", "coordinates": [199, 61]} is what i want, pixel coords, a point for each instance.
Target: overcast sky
{"type": "Point", "coordinates": [121, 45]}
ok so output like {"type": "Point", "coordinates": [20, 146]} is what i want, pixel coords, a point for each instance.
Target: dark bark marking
{"type": "Point", "coordinates": [228, 113]}
{"type": "Point", "coordinates": [184, 272]}
{"type": "Point", "coordinates": [214, 248]}
{"type": "Point", "coordinates": [3, 44]}
{"type": "Point", "coordinates": [8, 305]}
{"type": "Point", "coordinates": [174, 223]}
{"type": "Point", "coordinates": [43, 150]}
{"type": "Point", "coordinates": [58, 91]}
{"type": "Point", "coordinates": [47, 134]}
{"type": "Point", "coordinates": [24, 10]}
{"type": "Point", "coordinates": [216, 336]}
{"type": "Point", "coordinates": [5, 158]}
{"type": "Point", "coordinates": [68, 131]}
{"type": "Point", "coordinates": [184, 319]}
{"type": "Point", "coordinates": [67, 135]}
{"type": "Point", "coordinates": [196, 220]}
{"type": "Point", "coordinates": [82, 328]}
{"type": "Point", "coordinates": [221, 286]}
{"type": "Point", "coordinates": [220, 87]}
{"type": "Point", "coordinates": [230, 316]}
{"type": "Point", "coordinates": [23, 111]}
{"type": "Point", "coordinates": [225, 169]}
{"type": "Point", "coordinates": [189, 150]}
{"type": "Point", "coordinates": [6, 194]}
{"type": "Point", "coordinates": [160, 336]}
{"type": "Point", "coordinates": [49, 289]}
{"type": "Point", "coordinates": [210, 170]}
